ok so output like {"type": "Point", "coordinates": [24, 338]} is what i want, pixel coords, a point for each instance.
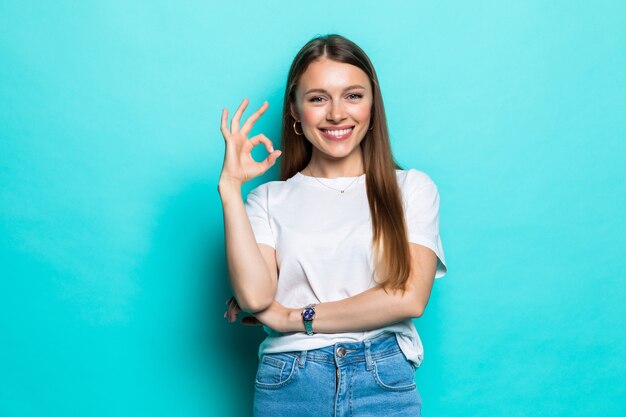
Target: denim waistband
{"type": "Point", "coordinates": [346, 353]}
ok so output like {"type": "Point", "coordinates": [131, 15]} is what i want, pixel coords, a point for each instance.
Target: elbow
{"type": "Point", "coordinates": [254, 305]}
{"type": "Point", "coordinates": [416, 311]}
{"type": "Point", "coordinates": [415, 301]}
{"type": "Point", "coordinates": [253, 300]}
{"type": "Point", "coordinates": [417, 306]}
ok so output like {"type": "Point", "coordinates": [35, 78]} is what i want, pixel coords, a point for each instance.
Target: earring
{"type": "Point", "coordinates": [294, 129]}
{"type": "Point", "coordinates": [371, 127]}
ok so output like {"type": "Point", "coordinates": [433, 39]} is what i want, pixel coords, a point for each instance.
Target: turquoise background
{"type": "Point", "coordinates": [113, 273]}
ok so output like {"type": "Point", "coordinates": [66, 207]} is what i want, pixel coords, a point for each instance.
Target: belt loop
{"type": "Point", "coordinates": [301, 358]}
{"type": "Point", "coordinates": [369, 363]}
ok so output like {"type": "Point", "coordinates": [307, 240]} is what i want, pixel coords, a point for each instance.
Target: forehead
{"type": "Point", "coordinates": [332, 75]}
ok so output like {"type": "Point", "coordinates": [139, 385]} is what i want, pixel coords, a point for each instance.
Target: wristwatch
{"type": "Point", "coordinates": [308, 313]}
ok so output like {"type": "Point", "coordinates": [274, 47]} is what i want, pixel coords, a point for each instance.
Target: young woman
{"type": "Point", "coordinates": [354, 236]}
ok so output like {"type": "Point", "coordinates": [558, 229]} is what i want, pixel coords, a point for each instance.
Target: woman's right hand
{"type": "Point", "coordinates": [239, 166]}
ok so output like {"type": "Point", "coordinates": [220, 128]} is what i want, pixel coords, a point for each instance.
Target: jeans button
{"type": "Point", "coordinates": [341, 351]}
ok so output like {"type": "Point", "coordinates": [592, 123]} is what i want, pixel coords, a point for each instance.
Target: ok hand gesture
{"type": "Point", "coordinates": [239, 166]}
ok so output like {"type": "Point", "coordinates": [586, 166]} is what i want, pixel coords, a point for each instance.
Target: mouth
{"type": "Point", "coordinates": [337, 134]}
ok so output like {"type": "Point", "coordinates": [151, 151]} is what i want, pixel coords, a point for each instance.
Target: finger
{"type": "Point", "coordinates": [234, 305]}
{"type": "Point", "coordinates": [232, 309]}
{"type": "Point", "coordinates": [234, 123]}
{"type": "Point", "coordinates": [261, 138]}
{"type": "Point", "coordinates": [224, 123]}
{"type": "Point", "coordinates": [247, 126]}
{"type": "Point", "coordinates": [230, 316]}
{"type": "Point", "coordinates": [227, 313]}
{"type": "Point", "coordinates": [271, 158]}
{"type": "Point", "coordinates": [274, 156]}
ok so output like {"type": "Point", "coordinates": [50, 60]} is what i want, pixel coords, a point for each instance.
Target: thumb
{"type": "Point", "coordinates": [271, 158]}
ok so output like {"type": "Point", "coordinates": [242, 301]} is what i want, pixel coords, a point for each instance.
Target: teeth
{"type": "Point", "coordinates": [337, 132]}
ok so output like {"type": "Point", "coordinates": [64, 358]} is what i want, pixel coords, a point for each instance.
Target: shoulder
{"type": "Point", "coordinates": [262, 191]}
{"type": "Point", "coordinates": [413, 178]}
{"type": "Point", "coordinates": [416, 186]}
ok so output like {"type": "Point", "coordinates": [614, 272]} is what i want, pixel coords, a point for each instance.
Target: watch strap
{"type": "Point", "coordinates": [308, 314]}
{"type": "Point", "coordinates": [308, 326]}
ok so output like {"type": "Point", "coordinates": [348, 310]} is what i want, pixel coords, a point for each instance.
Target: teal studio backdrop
{"type": "Point", "coordinates": [113, 275]}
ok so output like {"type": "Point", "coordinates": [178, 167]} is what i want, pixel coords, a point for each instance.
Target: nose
{"type": "Point", "coordinates": [337, 112]}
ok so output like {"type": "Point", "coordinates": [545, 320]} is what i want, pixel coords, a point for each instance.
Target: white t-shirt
{"type": "Point", "coordinates": [323, 243]}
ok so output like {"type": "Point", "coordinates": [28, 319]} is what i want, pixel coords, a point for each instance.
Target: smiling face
{"type": "Point", "coordinates": [333, 103]}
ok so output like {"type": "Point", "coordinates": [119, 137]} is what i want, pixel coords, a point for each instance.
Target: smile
{"type": "Point", "coordinates": [337, 134]}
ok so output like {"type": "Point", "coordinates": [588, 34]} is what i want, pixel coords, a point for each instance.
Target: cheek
{"type": "Point", "coordinates": [362, 113]}
{"type": "Point", "coordinates": [312, 115]}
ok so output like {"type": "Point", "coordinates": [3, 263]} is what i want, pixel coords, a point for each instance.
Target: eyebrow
{"type": "Point", "coordinates": [321, 90]}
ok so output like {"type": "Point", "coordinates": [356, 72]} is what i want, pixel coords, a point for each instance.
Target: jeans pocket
{"type": "Point", "coordinates": [275, 370]}
{"type": "Point", "coordinates": [395, 373]}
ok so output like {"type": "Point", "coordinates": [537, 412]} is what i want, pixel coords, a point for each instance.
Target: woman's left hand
{"type": "Point", "coordinates": [275, 316]}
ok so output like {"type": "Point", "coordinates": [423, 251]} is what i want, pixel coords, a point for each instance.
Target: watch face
{"type": "Point", "coordinates": [308, 313]}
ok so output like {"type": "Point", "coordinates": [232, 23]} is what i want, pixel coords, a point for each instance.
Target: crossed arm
{"type": "Point", "coordinates": [371, 309]}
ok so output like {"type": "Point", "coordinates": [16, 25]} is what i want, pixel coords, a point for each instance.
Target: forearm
{"type": "Point", "coordinates": [371, 309]}
{"type": "Point", "coordinates": [250, 278]}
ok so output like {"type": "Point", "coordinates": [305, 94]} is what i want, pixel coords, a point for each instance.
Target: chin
{"type": "Point", "coordinates": [340, 152]}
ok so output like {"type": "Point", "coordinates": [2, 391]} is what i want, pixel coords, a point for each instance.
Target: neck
{"type": "Point", "coordinates": [345, 167]}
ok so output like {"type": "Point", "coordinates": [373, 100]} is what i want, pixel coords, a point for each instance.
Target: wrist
{"type": "Point", "coordinates": [229, 191]}
{"type": "Point", "coordinates": [294, 320]}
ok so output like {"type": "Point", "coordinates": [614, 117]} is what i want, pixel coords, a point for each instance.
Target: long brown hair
{"type": "Point", "coordinates": [390, 243]}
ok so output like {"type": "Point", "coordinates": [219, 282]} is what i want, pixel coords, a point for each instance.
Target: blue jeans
{"type": "Point", "coordinates": [368, 378]}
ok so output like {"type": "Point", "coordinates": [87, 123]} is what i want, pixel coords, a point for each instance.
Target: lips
{"type": "Point", "coordinates": [337, 133]}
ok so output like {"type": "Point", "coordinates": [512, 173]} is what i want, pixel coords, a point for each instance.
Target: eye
{"type": "Point", "coordinates": [316, 99]}
{"type": "Point", "coordinates": [355, 96]}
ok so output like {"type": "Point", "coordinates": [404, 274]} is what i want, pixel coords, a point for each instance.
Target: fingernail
{"type": "Point", "coordinates": [271, 149]}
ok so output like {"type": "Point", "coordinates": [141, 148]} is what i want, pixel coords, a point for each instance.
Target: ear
{"type": "Point", "coordinates": [294, 111]}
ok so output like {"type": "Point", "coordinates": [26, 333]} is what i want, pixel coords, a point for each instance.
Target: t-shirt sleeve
{"type": "Point", "coordinates": [257, 209]}
{"type": "Point", "coordinates": [422, 214]}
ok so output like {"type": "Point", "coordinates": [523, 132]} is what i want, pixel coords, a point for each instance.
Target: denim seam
{"type": "Point", "coordinates": [384, 386]}
{"type": "Point", "coordinates": [289, 379]}
{"type": "Point", "coordinates": [350, 409]}
{"type": "Point", "coordinates": [353, 359]}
